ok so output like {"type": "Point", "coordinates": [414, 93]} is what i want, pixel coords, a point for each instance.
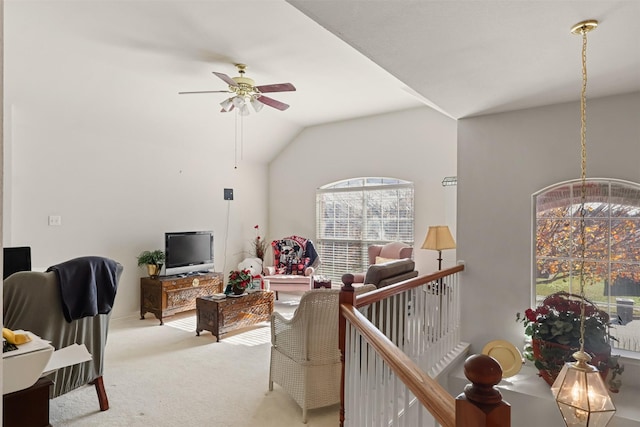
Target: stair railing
{"type": "Point", "coordinates": [390, 338]}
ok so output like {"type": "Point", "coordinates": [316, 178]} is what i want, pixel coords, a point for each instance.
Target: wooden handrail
{"type": "Point", "coordinates": [428, 391]}
{"type": "Point", "coordinates": [396, 288]}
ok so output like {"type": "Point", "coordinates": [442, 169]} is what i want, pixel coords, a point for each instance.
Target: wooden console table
{"type": "Point", "coordinates": [221, 316]}
{"type": "Point", "coordinates": [168, 295]}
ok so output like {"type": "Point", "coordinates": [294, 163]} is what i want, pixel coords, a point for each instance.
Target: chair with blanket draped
{"type": "Point", "coordinates": [294, 262]}
{"type": "Point", "coordinates": [305, 358]}
{"type": "Point", "coordinates": [70, 303]}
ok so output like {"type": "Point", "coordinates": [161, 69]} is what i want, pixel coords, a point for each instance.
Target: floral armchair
{"type": "Point", "coordinates": [294, 263]}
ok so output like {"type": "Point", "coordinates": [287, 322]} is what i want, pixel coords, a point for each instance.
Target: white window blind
{"type": "Point", "coordinates": [355, 213]}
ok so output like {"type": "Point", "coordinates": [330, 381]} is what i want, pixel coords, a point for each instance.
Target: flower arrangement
{"type": "Point", "coordinates": [554, 328]}
{"type": "Point", "coordinates": [259, 245]}
{"type": "Point", "coordinates": [238, 281]}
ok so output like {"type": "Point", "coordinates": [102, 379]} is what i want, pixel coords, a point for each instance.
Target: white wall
{"type": "Point", "coordinates": [502, 160]}
{"type": "Point", "coordinates": [119, 188]}
{"type": "Point", "coordinates": [416, 145]}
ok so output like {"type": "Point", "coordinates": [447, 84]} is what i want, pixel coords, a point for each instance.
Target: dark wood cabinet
{"type": "Point", "coordinates": [168, 295]}
{"type": "Point", "coordinates": [223, 316]}
{"type": "Point", "coordinates": [28, 407]}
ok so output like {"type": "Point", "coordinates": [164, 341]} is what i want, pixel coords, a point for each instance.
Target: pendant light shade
{"type": "Point", "coordinates": [581, 394]}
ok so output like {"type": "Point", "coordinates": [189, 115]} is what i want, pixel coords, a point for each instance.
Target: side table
{"type": "Point", "coordinates": [321, 282]}
{"type": "Point", "coordinates": [28, 407]}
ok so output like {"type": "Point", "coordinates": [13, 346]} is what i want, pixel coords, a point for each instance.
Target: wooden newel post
{"type": "Point", "coordinates": [347, 296]}
{"type": "Point", "coordinates": [481, 404]}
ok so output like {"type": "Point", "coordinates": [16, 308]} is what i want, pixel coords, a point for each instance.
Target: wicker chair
{"type": "Point", "coordinates": [305, 358]}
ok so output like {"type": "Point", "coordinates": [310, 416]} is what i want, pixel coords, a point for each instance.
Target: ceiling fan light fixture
{"type": "Point", "coordinates": [238, 101]}
{"type": "Point", "coordinates": [257, 105]}
{"type": "Point", "coordinates": [244, 110]}
{"type": "Point", "coordinates": [227, 104]}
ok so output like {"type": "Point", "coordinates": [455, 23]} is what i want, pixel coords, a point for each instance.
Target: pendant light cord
{"type": "Point", "coordinates": [583, 181]}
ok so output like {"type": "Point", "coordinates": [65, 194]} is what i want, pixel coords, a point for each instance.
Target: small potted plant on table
{"type": "Point", "coordinates": [239, 281]}
{"type": "Point", "coordinates": [154, 260]}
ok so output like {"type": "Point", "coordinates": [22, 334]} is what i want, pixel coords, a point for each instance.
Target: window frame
{"type": "Point", "coordinates": [356, 256]}
{"type": "Point", "coordinates": [596, 198]}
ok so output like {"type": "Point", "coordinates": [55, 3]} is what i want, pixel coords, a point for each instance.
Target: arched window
{"type": "Point", "coordinates": [612, 251]}
{"type": "Point", "coordinates": [355, 213]}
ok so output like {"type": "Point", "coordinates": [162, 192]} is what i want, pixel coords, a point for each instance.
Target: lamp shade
{"type": "Point", "coordinates": [439, 238]}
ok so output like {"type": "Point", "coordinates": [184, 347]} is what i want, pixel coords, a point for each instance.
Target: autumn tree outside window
{"type": "Point", "coordinates": [612, 267]}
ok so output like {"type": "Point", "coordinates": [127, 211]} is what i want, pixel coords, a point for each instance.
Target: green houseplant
{"type": "Point", "coordinates": [554, 328]}
{"type": "Point", "coordinates": [239, 281]}
{"type": "Point", "coordinates": [154, 260]}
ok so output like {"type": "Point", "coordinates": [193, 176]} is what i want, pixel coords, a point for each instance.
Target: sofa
{"type": "Point", "coordinates": [384, 274]}
{"type": "Point", "coordinates": [378, 254]}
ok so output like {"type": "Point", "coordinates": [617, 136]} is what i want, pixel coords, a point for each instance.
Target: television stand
{"type": "Point", "coordinates": [168, 295]}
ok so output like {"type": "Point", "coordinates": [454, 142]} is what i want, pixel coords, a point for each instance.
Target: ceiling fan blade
{"type": "Point", "coordinates": [279, 87]}
{"type": "Point", "coordinates": [204, 91]}
{"type": "Point", "coordinates": [273, 103]}
{"type": "Point", "coordinates": [226, 78]}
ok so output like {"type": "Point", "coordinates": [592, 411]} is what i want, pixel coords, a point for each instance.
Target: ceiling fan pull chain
{"type": "Point", "coordinates": [235, 146]}
{"type": "Point", "coordinates": [241, 137]}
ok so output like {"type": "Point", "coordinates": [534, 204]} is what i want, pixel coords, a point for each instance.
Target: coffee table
{"type": "Point", "coordinates": [221, 316]}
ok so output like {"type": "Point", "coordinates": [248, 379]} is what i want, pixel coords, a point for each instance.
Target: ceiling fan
{"type": "Point", "coordinates": [246, 92]}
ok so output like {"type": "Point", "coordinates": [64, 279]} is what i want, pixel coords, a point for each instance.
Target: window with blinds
{"type": "Point", "coordinates": [355, 213]}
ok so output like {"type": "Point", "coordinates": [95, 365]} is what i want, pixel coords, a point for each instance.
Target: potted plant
{"type": "Point", "coordinates": [554, 328]}
{"type": "Point", "coordinates": [258, 245]}
{"type": "Point", "coordinates": [239, 281]}
{"type": "Point", "coordinates": [154, 260]}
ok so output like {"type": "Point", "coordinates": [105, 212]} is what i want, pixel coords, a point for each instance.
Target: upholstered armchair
{"type": "Point", "coordinates": [294, 262]}
{"type": "Point", "coordinates": [383, 254]}
{"type": "Point", "coordinates": [70, 303]}
{"type": "Point", "coordinates": [305, 357]}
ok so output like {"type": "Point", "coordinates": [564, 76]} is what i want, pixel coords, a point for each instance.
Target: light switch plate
{"type": "Point", "coordinates": [55, 220]}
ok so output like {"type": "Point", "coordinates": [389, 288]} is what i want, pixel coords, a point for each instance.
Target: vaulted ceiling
{"type": "Point", "coordinates": [127, 60]}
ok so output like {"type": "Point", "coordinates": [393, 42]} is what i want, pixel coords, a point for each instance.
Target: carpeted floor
{"type": "Point", "coordinates": [167, 376]}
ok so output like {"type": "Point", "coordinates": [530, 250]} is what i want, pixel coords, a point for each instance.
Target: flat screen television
{"type": "Point", "coordinates": [188, 251]}
{"type": "Point", "coordinates": [16, 259]}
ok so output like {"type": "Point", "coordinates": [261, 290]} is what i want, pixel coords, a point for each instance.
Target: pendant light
{"type": "Point", "coordinates": [579, 390]}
